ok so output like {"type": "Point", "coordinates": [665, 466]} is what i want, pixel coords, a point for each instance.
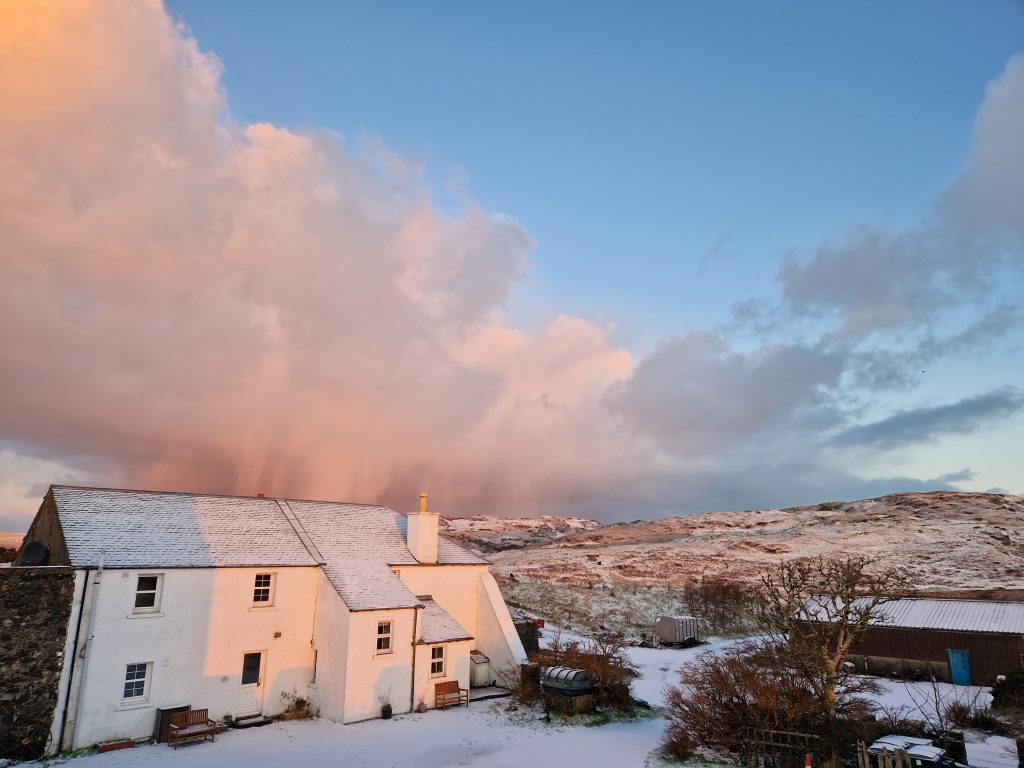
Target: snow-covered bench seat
{"type": "Point", "coordinates": [189, 725]}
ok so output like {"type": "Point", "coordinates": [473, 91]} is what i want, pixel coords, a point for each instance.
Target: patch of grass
{"type": "Point", "coordinates": [605, 717]}
{"type": "Point", "coordinates": [659, 758]}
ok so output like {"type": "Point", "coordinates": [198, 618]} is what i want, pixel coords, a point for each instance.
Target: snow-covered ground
{"type": "Point", "coordinates": [484, 734]}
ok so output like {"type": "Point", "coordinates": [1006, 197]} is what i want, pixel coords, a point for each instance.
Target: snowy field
{"type": "Point", "coordinates": [485, 734]}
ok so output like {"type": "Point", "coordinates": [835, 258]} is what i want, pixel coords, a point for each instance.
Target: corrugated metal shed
{"type": "Point", "coordinates": [958, 615]}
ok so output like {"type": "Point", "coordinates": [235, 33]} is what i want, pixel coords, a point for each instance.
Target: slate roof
{"type": "Point", "coordinates": [353, 543]}
{"type": "Point", "coordinates": [141, 529]}
{"type": "Point", "coordinates": [439, 626]}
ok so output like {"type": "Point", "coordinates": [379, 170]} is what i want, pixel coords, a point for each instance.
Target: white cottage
{"type": "Point", "coordinates": [232, 603]}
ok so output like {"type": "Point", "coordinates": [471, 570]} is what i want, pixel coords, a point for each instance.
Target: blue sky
{"type": "Point", "coordinates": [615, 260]}
{"type": "Point", "coordinates": [629, 141]}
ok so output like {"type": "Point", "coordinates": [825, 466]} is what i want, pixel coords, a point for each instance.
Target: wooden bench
{"type": "Point", "coordinates": [448, 694]}
{"type": "Point", "coordinates": [193, 724]}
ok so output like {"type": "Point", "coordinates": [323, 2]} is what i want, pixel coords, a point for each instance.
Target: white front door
{"type": "Point", "coordinates": [250, 693]}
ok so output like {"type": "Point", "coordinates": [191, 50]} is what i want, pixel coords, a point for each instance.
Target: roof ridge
{"type": "Point", "coordinates": [215, 495]}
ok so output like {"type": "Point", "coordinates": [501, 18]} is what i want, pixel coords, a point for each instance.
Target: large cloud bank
{"type": "Point", "coordinates": [188, 302]}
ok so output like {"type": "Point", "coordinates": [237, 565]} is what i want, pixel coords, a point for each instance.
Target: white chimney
{"type": "Point", "coordinates": [422, 533]}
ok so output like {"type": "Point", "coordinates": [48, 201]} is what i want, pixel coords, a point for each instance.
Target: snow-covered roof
{"type": "Point", "coordinates": [439, 626]}
{"type": "Point", "coordinates": [143, 529]}
{"type": "Point", "coordinates": [358, 542]}
{"type": "Point", "coordinates": [961, 615]}
{"type": "Point", "coordinates": [951, 615]}
{"type": "Point", "coordinates": [353, 543]}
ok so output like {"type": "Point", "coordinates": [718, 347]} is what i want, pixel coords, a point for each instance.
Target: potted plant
{"type": "Point", "coordinates": [385, 705]}
{"type": "Point", "coordinates": [296, 707]}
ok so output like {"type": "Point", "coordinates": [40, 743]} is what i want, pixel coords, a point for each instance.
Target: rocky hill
{"type": "Point", "coordinates": [947, 540]}
{"type": "Point", "coordinates": [494, 534]}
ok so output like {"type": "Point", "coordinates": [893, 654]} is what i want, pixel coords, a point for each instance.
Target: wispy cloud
{"type": "Point", "coordinates": [922, 424]}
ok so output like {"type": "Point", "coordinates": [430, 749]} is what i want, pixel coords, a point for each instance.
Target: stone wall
{"type": "Point", "coordinates": [35, 609]}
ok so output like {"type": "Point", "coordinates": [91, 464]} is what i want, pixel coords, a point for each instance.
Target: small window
{"type": "Point", "coordinates": [383, 637]}
{"type": "Point", "coordinates": [437, 661]}
{"type": "Point", "coordinates": [147, 593]}
{"type": "Point", "coordinates": [136, 679]}
{"type": "Point", "coordinates": [263, 589]}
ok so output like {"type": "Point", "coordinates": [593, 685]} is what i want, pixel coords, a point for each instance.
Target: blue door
{"type": "Point", "coordinates": [959, 667]}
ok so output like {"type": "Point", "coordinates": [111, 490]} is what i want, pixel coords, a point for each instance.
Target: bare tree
{"type": "Point", "coordinates": [822, 607]}
{"type": "Point", "coordinates": [940, 707]}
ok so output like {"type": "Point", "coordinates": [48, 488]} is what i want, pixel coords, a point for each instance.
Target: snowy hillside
{"type": "Point", "coordinates": [947, 540]}
{"type": "Point", "coordinates": [493, 534]}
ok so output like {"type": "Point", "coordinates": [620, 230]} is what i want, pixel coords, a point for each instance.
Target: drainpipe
{"type": "Point", "coordinates": [87, 648]}
{"type": "Point", "coordinates": [412, 682]}
{"type": "Point", "coordinates": [71, 669]}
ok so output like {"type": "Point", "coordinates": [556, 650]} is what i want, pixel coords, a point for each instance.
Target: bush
{"type": "Point", "coordinates": [1009, 694]}
{"type": "Point", "coordinates": [602, 658]}
{"type": "Point", "coordinates": [755, 685]}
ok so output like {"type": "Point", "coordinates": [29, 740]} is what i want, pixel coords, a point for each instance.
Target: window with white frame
{"type": "Point", "coordinates": [147, 593]}
{"type": "Point", "coordinates": [437, 661]}
{"type": "Point", "coordinates": [263, 589]}
{"type": "Point", "coordinates": [384, 644]}
{"type": "Point", "coordinates": [136, 681]}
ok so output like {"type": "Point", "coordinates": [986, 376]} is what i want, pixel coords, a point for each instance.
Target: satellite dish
{"type": "Point", "coordinates": [35, 553]}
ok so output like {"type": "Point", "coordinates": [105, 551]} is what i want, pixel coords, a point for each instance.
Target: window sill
{"type": "Point", "coordinates": [383, 653]}
{"type": "Point", "coordinates": [146, 615]}
{"type": "Point", "coordinates": [261, 608]}
{"type": "Point", "coordinates": [124, 706]}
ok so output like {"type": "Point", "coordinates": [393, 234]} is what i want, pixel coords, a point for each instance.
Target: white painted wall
{"type": "Point", "coordinates": [330, 640]}
{"type": "Point", "coordinates": [64, 700]}
{"type": "Point", "coordinates": [372, 675]}
{"type": "Point", "coordinates": [195, 643]}
{"type": "Point", "coordinates": [497, 637]}
{"type": "Point", "coordinates": [457, 668]}
{"type": "Point", "coordinates": [471, 595]}
{"type": "Point", "coordinates": [207, 621]}
{"type": "Point", "coordinates": [453, 587]}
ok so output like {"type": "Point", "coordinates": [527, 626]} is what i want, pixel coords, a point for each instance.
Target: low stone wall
{"type": "Point", "coordinates": [35, 607]}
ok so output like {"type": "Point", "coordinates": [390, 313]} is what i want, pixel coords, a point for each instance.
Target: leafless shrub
{"type": "Point", "coordinates": [602, 657]}
{"type": "Point", "coordinates": [793, 677]}
{"type": "Point", "coordinates": [724, 607]}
